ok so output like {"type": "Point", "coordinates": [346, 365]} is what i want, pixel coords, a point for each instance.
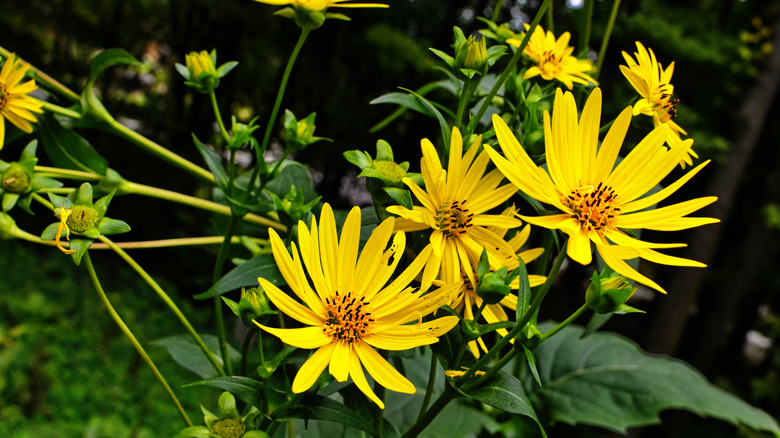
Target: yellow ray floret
{"type": "Point", "coordinates": [319, 5]}
{"type": "Point", "coordinates": [15, 104]}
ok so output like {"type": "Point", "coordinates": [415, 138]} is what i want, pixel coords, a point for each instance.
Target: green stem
{"type": "Point", "coordinates": [565, 323]}
{"type": "Point", "coordinates": [167, 300]}
{"type": "Point", "coordinates": [67, 173]}
{"type": "Point", "coordinates": [537, 301]}
{"type": "Point", "coordinates": [497, 9]}
{"type": "Point", "coordinates": [218, 116]}
{"type": "Point", "coordinates": [379, 414]}
{"type": "Point", "coordinates": [133, 340]}
{"type": "Point", "coordinates": [465, 97]}
{"type": "Point", "coordinates": [605, 41]}
{"type": "Point", "coordinates": [447, 396]}
{"type": "Point", "coordinates": [549, 19]}
{"type": "Point", "coordinates": [159, 151]}
{"type": "Point", "coordinates": [278, 103]}
{"type": "Point", "coordinates": [45, 79]}
{"type": "Point", "coordinates": [509, 68]}
{"type": "Point", "coordinates": [429, 387]}
{"type": "Point", "coordinates": [245, 349]}
{"type": "Point", "coordinates": [587, 19]}
{"type": "Point", "coordinates": [221, 257]}
{"type": "Point", "coordinates": [60, 110]}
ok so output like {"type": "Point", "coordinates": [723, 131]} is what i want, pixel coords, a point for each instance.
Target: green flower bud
{"type": "Point", "coordinates": [82, 218]}
{"type": "Point", "coordinates": [492, 287]}
{"type": "Point", "coordinates": [299, 133]}
{"type": "Point", "coordinates": [476, 53]}
{"type": "Point", "coordinates": [254, 305]}
{"type": "Point", "coordinates": [229, 428]}
{"type": "Point", "coordinates": [16, 180]}
{"type": "Point", "coordinates": [202, 72]}
{"type": "Point", "coordinates": [608, 294]}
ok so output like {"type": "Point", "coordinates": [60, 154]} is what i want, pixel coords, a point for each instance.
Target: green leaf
{"type": "Point", "coordinates": [358, 158]}
{"type": "Point", "coordinates": [606, 380]}
{"type": "Point", "coordinates": [68, 149]}
{"type": "Point", "coordinates": [186, 353]}
{"type": "Point", "coordinates": [214, 163]}
{"type": "Point", "coordinates": [316, 407]}
{"type": "Point", "coordinates": [246, 389]}
{"type": "Point", "coordinates": [524, 292]}
{"type": "Point", "coordinates": [401, 196]}
{"type": "Point", "coordinates": [109, 58]}
{"type": "Point", "coordinates": [246, 274]}
{"type": "Point", "coordinates": [505, 392]}
{"type": "Point", "coordinates": [80, 245]}
{"type": "Point", "coordinates": [403, 100]}
{"type": "Point", "coordinates": [194, 432]}
{"type": "Point", "coordinates": [529, 356]}
{"type": "Point", "coordinates": [445, 127]}
{"type": "Point", "coordinates": [108, 226]}
{"type": "Point", "coordinates": [293, 173]}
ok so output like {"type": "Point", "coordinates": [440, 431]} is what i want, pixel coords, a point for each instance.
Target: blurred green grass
{"type": "Point", "coordinates": [66, 370]}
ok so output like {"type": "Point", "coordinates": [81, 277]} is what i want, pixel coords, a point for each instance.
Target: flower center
{"type": "Point", "coordinates": [549, 64]}
{"type": "Point", "coordinates": [3, 96]}
{"type": "Point", "coordinates": [663, 104]}
{"type": "Point", "coordinates": [453, 218]}
{"type": "Point", "coordinates": [593, 207]}
{"type": "Point", "coordinates": [348, 317]}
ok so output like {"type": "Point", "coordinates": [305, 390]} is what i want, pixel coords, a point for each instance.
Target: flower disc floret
{"type": "Point", "coordinates": [16, 180]}
{"type": "Point", "coordinates": [82, 218]}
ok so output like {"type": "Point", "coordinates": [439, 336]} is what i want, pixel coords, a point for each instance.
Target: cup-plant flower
{"type": "Point", "coordinates": [18, 180]}
{"type": "Point", "coordinates": [653, 83]}
{"type": "Point", "coordinates": [15, 104]}
{"type": "Point", "coordinates": [200, 71]}
{"type": "Point", "coordinates": [455, 206]}
{"type": "Point", "coordinates": [321, 5]}
{"type": "Point", "coordinates": [597, 199]}
{"type": "Point", "coordinates": [553, 59]}
{"type": "Point", "coordinates": [86, 220]}
{"type": "Point", "coordinates": [347, 306]}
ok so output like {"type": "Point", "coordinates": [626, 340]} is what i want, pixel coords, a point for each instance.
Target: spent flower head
{"type": "Point", "coordinates": [597, 199]}
{"type": "Point", "coordinates": [78, 215]}
{"type": "Point", "coordinates": [15, 104]}
{"type": "Point", "coordinates": [228, 424]}
{"type": "Point", "coordinates": [346, 305]}
{"type": "Point", "coordinates": [18, 180]}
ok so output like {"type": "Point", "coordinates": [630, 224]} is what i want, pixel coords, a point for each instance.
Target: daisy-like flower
{"type": "Point", "coordinates": [598, 199]}
{"type": "Point", "coordinates": [554, 59]}
{"type": "Point", "coordinates": [349, 309]}
{"type": "Point", "coordinates": [319, 5]}
{"type": "Point", "coordinates": [454, 206]}
{"type": "Point", "coordinates": [466, 298]}
{"type": "Point", "coordinates": [653, 83]}
{"type": "Point", "coordinates": [15, 104]}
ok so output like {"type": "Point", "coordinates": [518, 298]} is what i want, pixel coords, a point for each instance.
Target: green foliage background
{"type": "Point", "coordinates": [65, 370]}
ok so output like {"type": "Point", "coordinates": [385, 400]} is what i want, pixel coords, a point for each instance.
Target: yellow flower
{"type": "Point", "coordinates": [597, 198]}
{"type": "Point", "coordinates": [15, 104]}
{"type": "Point", "coordinates": [63, 225]}
{"type": "Point", "coordinates": [653, 83]}
{"type": "Point", "coordinates": [454, 206]}
{"type": "Point", "coordinates": [553, 59]}
{"type": "Point", "coordinates": [466, 299]}
{"type": "Point", "coordinates": [349, 309]}
{"type": "Point", "coordinates": [319, 5]}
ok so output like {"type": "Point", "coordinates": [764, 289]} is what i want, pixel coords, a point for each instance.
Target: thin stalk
{"type": "Point", "coordinates": [133, 340]}
{"type": "Point", "coordinates": [245, 349]}
{"type": "Point", "coordinates": [605, 41]}
{"type": "Point", "coordinates": [447, 396]}
{"type": "Point", "coordinates": [429, 387]}
{"type": "Point", "coordinates": [465, 97]}
{"type": "Point", "coordinates": [221, 256]}
{"type": "Point", "coordinates": [45, 79]}
{"type": "Point", "coordinates": [278, 103]}
{"type": "Point", "coordinates": [587, 19]}
{"type": "Point", "coordinates": [218, 116]}
{"type": "Point", "coordinates": [565, 323]}
{"type": "Point", "coordinates": [60, 110]}
{"type": "Point", "coordinates": [67, 173]}
{"type": "Point", "coordinates": [497, 9]}
{"type": "Point", "coordinates": [167, 300]}
{"type": "Point", "coordinates": [379, 414]}
{"type": "Point", "coordinates": [509, 68]}
{"type": "Point", "coordinates": [550, 19]}
{"type": "Point", "coordinates": [160, 152]}
{"type": "Point", "coordinates": [537, 301]}
{"type": "Point", "coordinates": [494, 369]}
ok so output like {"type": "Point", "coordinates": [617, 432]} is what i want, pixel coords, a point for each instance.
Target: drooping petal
{"type": "Point", "coordinates": [311, 369]}
{"type": "Point", "coordinates": [382, 371]}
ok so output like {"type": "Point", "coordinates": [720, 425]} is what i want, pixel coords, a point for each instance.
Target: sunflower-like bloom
{"type": "Point", "coordinates": [454, 206]}
{"type": "Point", "coordinates": [597, 198]}
{"type": "Point", "coordinates": [319, 5]}
{"type": "Point", "coordinates": [15, 104]}
{"type": "Point", "coordinates": [653, 83]}
{"type": "Point", "coordinates": [349, 309]}
{"type": "Point", "coordinates": [554, 59]}
{"type": "Point", "coordinates": [466, 299]}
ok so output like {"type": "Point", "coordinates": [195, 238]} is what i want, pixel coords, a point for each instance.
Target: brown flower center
{"type": "Point", "coordinates": [348, 317]}
{"type": "Point", "coordinates": [593, 207]}
{"type": "Point", "coordinates": [549, 64]}
{"type": "Point", "coordinates": [453, 218]}
{"type": "Point", "coordinates": [4, 95]}
{"type": "Point", "coordinates": [663, 103]}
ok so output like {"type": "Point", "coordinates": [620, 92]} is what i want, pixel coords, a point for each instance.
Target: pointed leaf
{"type": "Point", "coordinates": [316, 407]}
{"type": "Point", "coordinates": [606, 380]}
{"type": "Point", "coordinates": [186, 353]}
{"type": "Point", "coordinates": [246, 389]}
{"type": "Point", "coordinates": [67, 149]}
{"type": "Point", "coordinates": [107, 59]}
{"type": "Point", "coordinates": [246, 274]}
{"type": "Point", "coordinates": [506, 392]}
{"type": "Point", "coordinates": [214, 163]}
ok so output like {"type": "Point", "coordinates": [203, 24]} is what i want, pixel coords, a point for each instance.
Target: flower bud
{"type": "Point", "coordinates": [202, 72]}
{"type": "Point", "coordinates": [608, 293]}
{"type": "Point", "coordinates": [229, 428]}
{"type": "Point", "coordinates": [493, 287]}
{"type": "Point", "coordinates": [476, 53]}
{"type": "Point", "coordinates": [16, 180]}
{"type": "Point", "coordinates": [254, 306]}
{"type": "Point", "coordinates": [299, 133]}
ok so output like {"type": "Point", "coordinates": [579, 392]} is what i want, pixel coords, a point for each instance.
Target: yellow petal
{"type": "Point", "coordinates": [339, 362]}
{"type": "Point", "coordinates": [382, 371]}
{"type": "Point", "coordinates": [311, 369]}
